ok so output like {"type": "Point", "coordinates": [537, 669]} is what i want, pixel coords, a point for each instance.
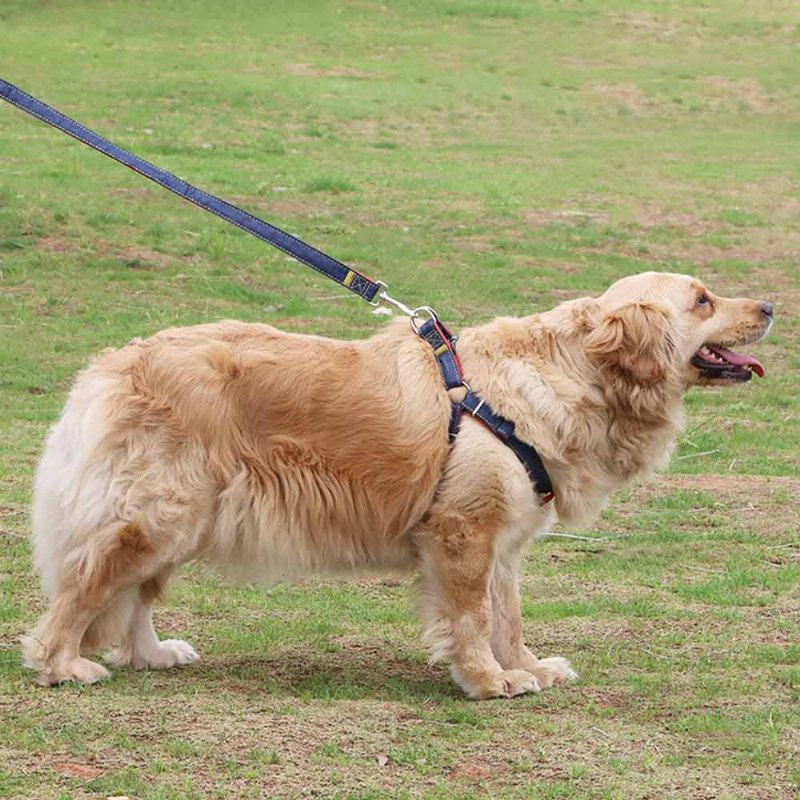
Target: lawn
{"type": "Point", "coordinates": [484, 158]}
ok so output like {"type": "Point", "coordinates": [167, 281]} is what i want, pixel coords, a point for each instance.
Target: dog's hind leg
{"type": "Point", "coordinates": [141, 647]}
{"type": "Point", "coordinates": [95, 578]}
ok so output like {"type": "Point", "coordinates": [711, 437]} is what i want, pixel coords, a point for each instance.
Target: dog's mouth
{"type": "Point", "coordinates": [719, 363]}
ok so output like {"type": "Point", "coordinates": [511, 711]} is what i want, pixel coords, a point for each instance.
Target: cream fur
{"type": "Point", "coordinates": [273, 455]}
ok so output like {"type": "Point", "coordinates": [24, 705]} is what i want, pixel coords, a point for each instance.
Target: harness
{"type": "Point", "coordinates": [431, 330]}
{"type": "Point", "coordinates": [444, 348]}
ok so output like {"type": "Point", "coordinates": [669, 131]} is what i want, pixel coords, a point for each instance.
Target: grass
{"type": "Point", "coordinates": [483, 158]}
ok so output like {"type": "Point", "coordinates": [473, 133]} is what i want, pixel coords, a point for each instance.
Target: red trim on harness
{"type": "Point", "coordinates": [448, 342]}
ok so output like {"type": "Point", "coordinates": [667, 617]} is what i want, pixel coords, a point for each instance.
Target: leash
{"type": "Point", "coordinates": [423, 318]}
{"type": "Point", "coordinates": [374, 292]}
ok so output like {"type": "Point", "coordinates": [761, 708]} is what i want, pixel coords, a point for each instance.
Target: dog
{"type": "Point", "coordinates": [273, 455]}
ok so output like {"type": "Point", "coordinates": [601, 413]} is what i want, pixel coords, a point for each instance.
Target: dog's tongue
{"type": "Point", "coordinates": [739, 360]}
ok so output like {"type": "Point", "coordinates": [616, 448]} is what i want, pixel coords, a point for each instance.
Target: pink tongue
{"type": "Point", "coordinates": [738, 359]}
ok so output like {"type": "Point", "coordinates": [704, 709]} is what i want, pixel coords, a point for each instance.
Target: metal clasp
{"type": "Point", "coordinates": [383, 296]}
{"type": "Point", "coordinates": [421, 315]}
{"type": "Point", "coordinates": [417, 315]}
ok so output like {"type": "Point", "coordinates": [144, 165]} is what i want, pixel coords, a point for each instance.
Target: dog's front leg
{"type": "Point", "coordinates": [507, 643]}
{"type": "Point", "coordinates": [456, 567]}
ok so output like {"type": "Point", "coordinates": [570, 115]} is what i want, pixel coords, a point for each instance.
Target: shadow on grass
{"type": "Point", "coordinates": [356, 671]}
{"type": "Point", "coordinates": [352, 672]}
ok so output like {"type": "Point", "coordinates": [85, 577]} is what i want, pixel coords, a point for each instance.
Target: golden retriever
{"type": "Point", "coordinates": [273, 455]}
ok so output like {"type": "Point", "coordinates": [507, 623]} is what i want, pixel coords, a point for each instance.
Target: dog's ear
{"type": "Point", "coordinates": [636, 340]}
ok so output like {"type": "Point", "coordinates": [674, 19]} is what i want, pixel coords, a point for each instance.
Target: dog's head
{"type": "Point", "coordinates": [654, 328]}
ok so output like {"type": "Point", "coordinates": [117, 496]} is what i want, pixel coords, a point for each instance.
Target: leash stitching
{"type": "Point", "coordinates": [189, 188]}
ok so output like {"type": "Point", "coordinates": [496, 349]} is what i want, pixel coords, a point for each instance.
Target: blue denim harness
{"type": "Point", "coordinates": [374, 292]}
{"type": "Point", "coordinates": [444, 348]}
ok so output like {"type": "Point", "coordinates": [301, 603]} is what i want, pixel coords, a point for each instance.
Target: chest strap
{"type": "Point", "coordinates": [444, 348]}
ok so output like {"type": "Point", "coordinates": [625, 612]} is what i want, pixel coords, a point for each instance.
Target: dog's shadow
{"type": "Point", "coordinates": [357, 670]}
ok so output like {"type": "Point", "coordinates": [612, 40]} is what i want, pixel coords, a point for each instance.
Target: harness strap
{"type": "Point", "coordinates": [504, 430]}
{"type": "Point", "coordinates": [501, 427]}
{"type": "Point", "coordinates": [444, 348]}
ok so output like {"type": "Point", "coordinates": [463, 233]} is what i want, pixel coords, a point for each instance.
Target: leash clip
{"type": "Point", "coordinates": [383, 296]}
{"type": "Point", "coordinates": [418, 315]}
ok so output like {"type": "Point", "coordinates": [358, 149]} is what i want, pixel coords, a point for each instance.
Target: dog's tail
{"type": "Point", "coordinates": [73, 502]}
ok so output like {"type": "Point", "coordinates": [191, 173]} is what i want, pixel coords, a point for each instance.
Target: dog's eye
{"type": "Point", "coordinates": [703, 300]}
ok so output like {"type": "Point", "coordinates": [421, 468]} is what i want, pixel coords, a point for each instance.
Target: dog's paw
{"type": "Point", "coordinates": [118, 657]}
{"type": "Point", "coordinates": [555, 671]}
{"type": "Point", "coordinates": [83, 670]}
{"type": "Point", "coordinates": [169, 653]}
{"type": "Point", "coordinates": [78, 670]}
{"type": "Point", "coordinates": [52, 671]}
{"type": "Point", "coordinates": [177, 653]}
{"type": "Point", "coordinates": [508, 683]}
{"type": "Point", "coordinates": [518, 681]}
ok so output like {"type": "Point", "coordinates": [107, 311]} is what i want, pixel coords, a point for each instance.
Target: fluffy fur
{"type": "Point", "coordinates": [273, 455]}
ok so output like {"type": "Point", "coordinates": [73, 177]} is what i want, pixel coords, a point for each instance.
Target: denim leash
{"type": "Point", "coordinates": [423, 319]}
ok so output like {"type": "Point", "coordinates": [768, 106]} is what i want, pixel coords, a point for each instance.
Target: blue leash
{"type": "Point", "coordinates": [331, 267]}
{"type": "Point", "coordinates": [423, 319]}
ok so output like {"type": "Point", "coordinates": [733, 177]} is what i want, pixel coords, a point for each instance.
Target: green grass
{"type": "Point", "coordinates": [484, 158]}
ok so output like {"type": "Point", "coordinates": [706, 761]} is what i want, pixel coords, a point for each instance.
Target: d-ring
{"type": "Point", "coordinates": [425, 313]}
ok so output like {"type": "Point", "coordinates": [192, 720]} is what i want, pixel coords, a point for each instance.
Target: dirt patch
{"type": "Point", "coordinates": [746, 92]}
{"type": "Point", "coordinates": [367, 129]}
{"type": "Point", "coordinates": [627, 95]}
{"type": "Point", "coordinates": [631, 99]}
{"type": "Point", "coordinates": [70, 769]}
{"type": "Point", "coordinates": [305, 70]}
{"type": "Point", "coordinates": [546, 216]}
{"type": "Point", "coordinates": [647, 24]}
{"type": "Point", "coordinates": [770, 252]}
{"type": "Point", "coordinates": [604, 696]}
{"type": "Point", "coordinates": [57, 244]}
{"type": "Point", "coordinates": [727, 489]}
{"type": "Point", "coordinates": [138, 257]}
{"type": "Point", "coordinates": [478, 769]}
{"type": "Point", "coordinates": [651, 216]}
{"type": "Point", "coordinates": [288, 207]}
{"type": "Point", "coordinates": [776, 198]}
{"type": "Point", "coordinates": [704, 241]}
{"type": "Point", "coordinates": [732, 485]}
{"type": "Point", "coordinates": [134, 256]}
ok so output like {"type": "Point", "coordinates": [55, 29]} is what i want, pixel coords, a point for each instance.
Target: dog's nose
{"type": "Point", "coordinates": [766, 310]}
